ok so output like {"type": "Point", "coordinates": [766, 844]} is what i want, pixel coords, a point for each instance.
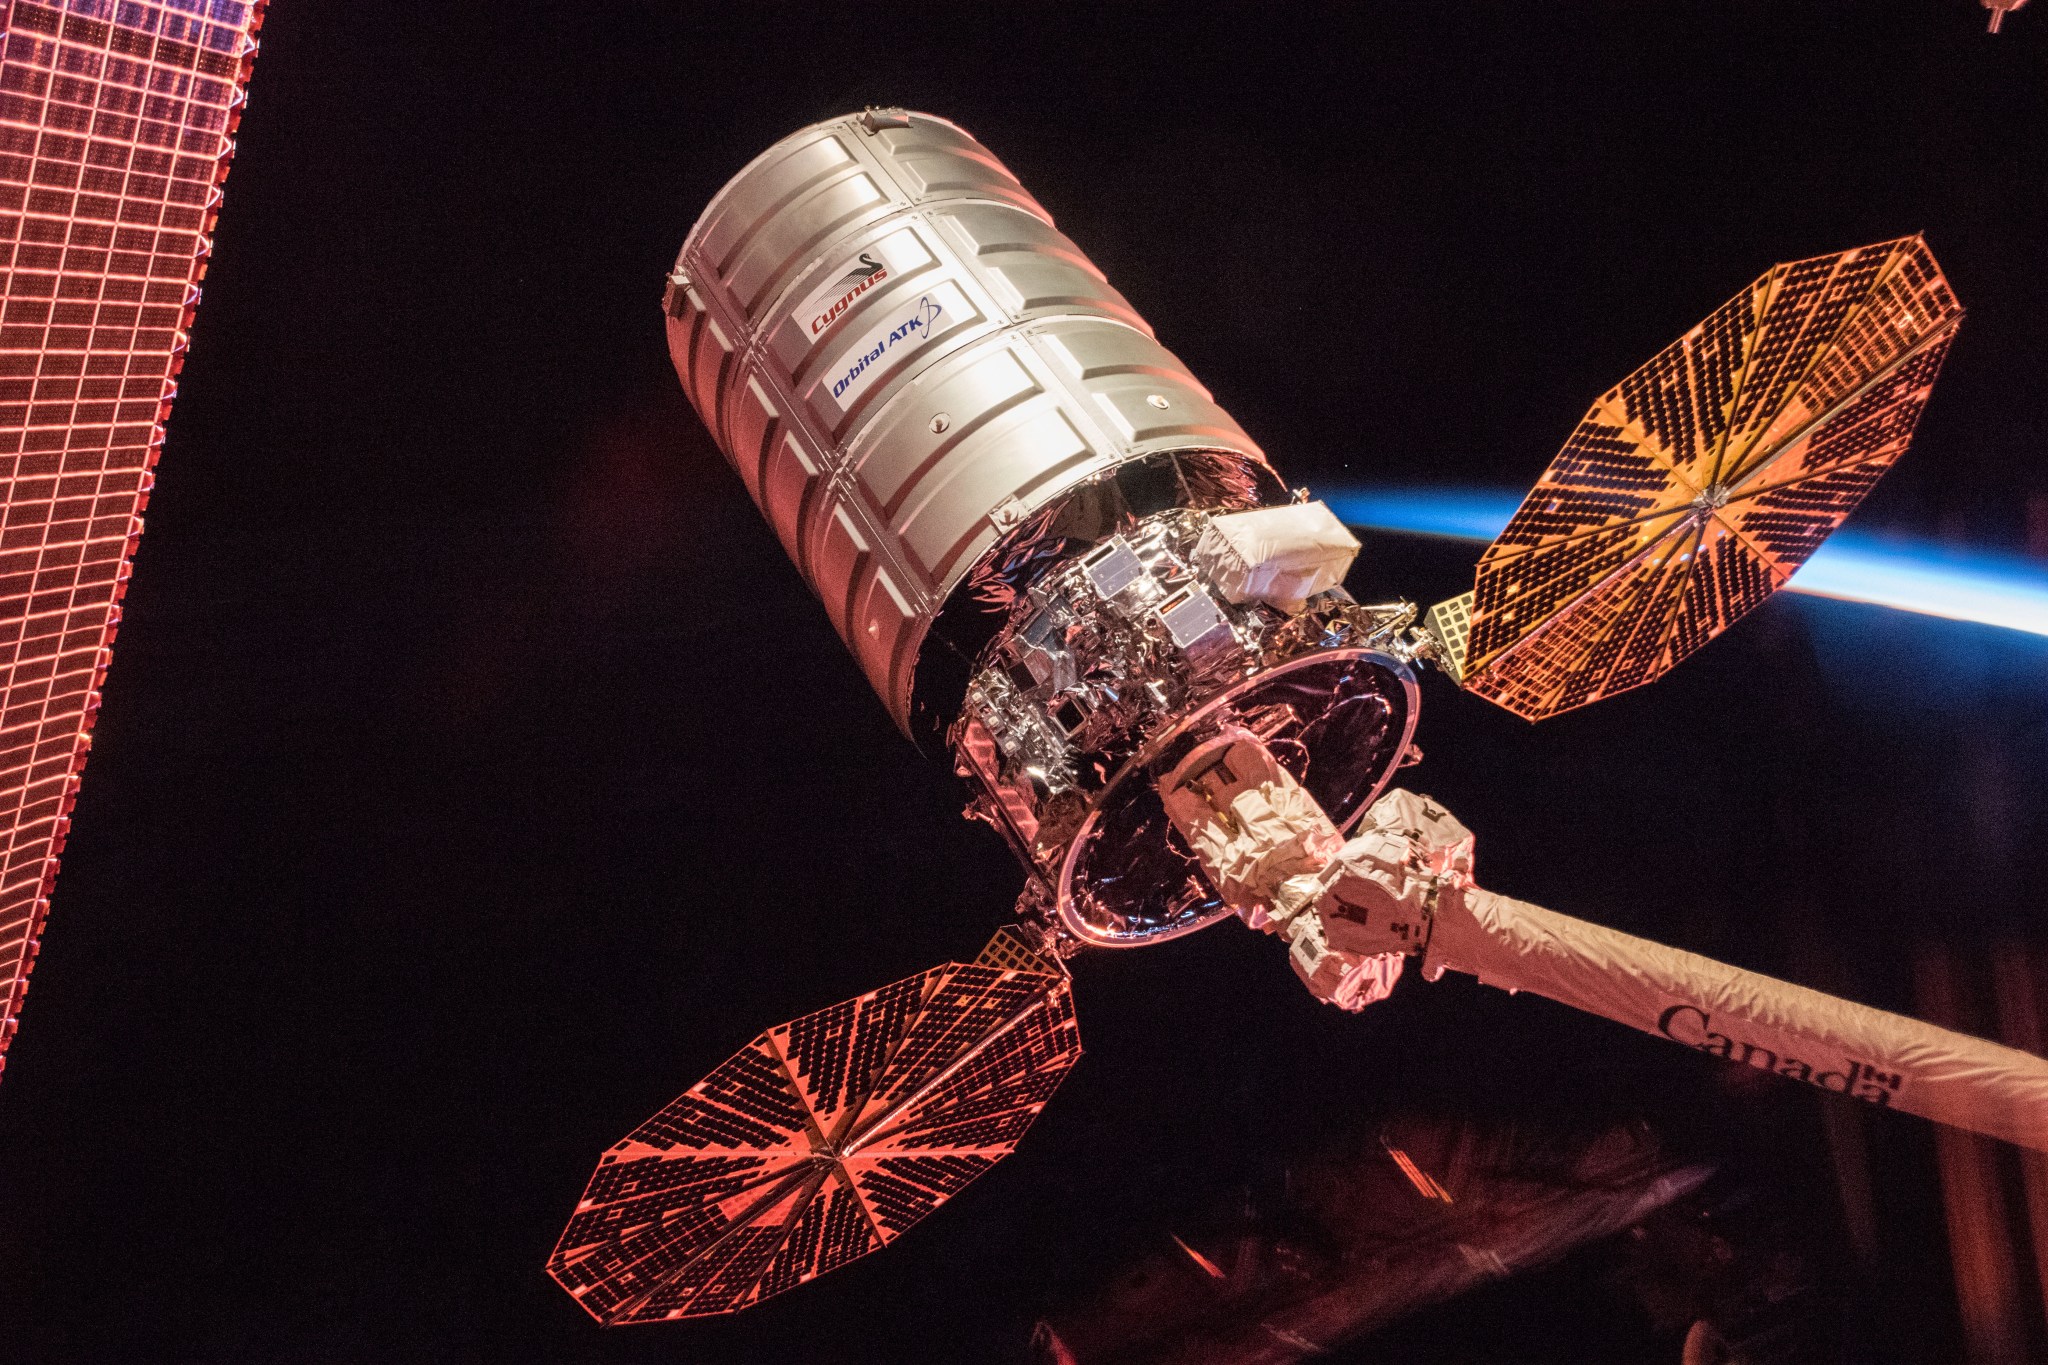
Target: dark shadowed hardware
{"type": "Point", "coordinates": [1362, 1232]}
{"type": "Point", "coordinates": [1057, 560]}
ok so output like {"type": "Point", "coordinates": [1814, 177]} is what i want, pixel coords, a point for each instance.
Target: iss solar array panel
{"type": "Point", "coordinates": [818, 1142]}
{"type": "Point", "coordinates": [117, 119]}
{"type": "Point", "coordinates": [1693, 489]}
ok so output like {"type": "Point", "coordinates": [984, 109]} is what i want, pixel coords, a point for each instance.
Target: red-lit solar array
{"type": "Point", "coordinates": [117, 119]}
{"type": "Point", "coordinates": [818, 1142]}
{"type": "Point", "coordinates": [1696, 487]}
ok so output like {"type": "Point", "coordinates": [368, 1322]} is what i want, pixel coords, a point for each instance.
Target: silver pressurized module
{"type": "Point", "coordinates": [1032, 526]}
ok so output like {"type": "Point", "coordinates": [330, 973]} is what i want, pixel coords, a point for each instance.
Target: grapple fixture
{"type": "Point", "coordinates": [1062, 564]}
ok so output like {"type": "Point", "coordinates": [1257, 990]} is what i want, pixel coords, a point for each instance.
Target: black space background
{"type": "Point", "coordinates": [476, 773]}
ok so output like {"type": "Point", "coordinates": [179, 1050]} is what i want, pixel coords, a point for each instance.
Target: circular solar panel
{"type": "Point", "coordinates": [818, 1142]}
{"type": "Point", "coordinates": [1693, 489]}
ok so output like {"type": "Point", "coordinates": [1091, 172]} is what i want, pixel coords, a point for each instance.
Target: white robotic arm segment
{"type": "Point", "coordinates": [1382, 887]}
{"type": "Point", "coordinates": [1756, 1020]}
{"type": "Point", "coordinates": [1278, 860]}
{"type": "Point", "coordinates": [1249, 823]}
{"type": "Point", "coordinates": [1348, 980]}
{"type": "Point", "coordinates": [1351, 911]}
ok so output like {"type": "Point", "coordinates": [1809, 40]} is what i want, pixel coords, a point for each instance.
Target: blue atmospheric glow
{"type": "Point", "coordinates": [1994, 590]}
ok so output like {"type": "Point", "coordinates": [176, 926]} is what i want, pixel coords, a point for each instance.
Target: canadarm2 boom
{"type": "Point", "coordinates": [1352, 910]}
{"type": "Point", "coordinates": [1746, 1017]}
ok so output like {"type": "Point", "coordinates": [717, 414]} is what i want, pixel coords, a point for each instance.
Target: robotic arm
{"type": "Point", "coordinates": [1352, 911]}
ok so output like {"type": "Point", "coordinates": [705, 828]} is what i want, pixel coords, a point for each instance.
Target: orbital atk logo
{"type": "Point", "coordinates": [912, 331]}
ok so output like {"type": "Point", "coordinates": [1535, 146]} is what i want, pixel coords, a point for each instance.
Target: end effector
{"type": "Point", "coordinates": [1350, 911]}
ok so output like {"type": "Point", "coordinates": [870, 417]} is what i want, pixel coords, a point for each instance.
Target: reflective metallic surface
{"type": "Point", "coordinates": [1118, 659]}
{"type": "Point", "coordinates": [906, 362]}
{"type": "Point", "coordinates": [1340, 719]}
{"type": "Point", "coordinates": [995, 480]}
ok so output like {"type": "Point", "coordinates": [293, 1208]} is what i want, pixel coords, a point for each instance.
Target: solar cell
{"type": "Point", "coordinates": [117, 119]}
{"type": "Point", "coordinates": [1693, 489]}
{"type": "Point", "coordinates": [819, 1141]}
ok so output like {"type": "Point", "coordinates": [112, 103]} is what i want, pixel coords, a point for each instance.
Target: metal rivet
{"type": "Point", "coordinates": [1157, 400]}
{"type": "Point", "coordinates": [940, 423]}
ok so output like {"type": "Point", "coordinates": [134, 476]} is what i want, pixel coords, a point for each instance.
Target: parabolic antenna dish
{"type": "Point", "coordinates": [819, 1141]}
{"type": "Point", "coordinates": [1693, 489]}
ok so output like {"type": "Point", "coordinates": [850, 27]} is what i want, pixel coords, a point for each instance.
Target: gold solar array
{"type": "Point", "coordinates": [1009, 949]}
{"type": "Point", "coordinates": [818, 1142]}
{"type": "Point", "coordinates": [1693, 489]}
{"type": "Point", "coordinates": [1449, 623]}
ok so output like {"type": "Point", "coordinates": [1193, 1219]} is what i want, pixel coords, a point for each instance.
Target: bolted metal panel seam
{"type": "Point", "coordinates": [825, 334]}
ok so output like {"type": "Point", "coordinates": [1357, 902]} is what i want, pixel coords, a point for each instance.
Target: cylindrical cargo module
{"type": "Point", "coordinates": [1049, 549]}
{"type": "Point", "coordinates": [921, 382]}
